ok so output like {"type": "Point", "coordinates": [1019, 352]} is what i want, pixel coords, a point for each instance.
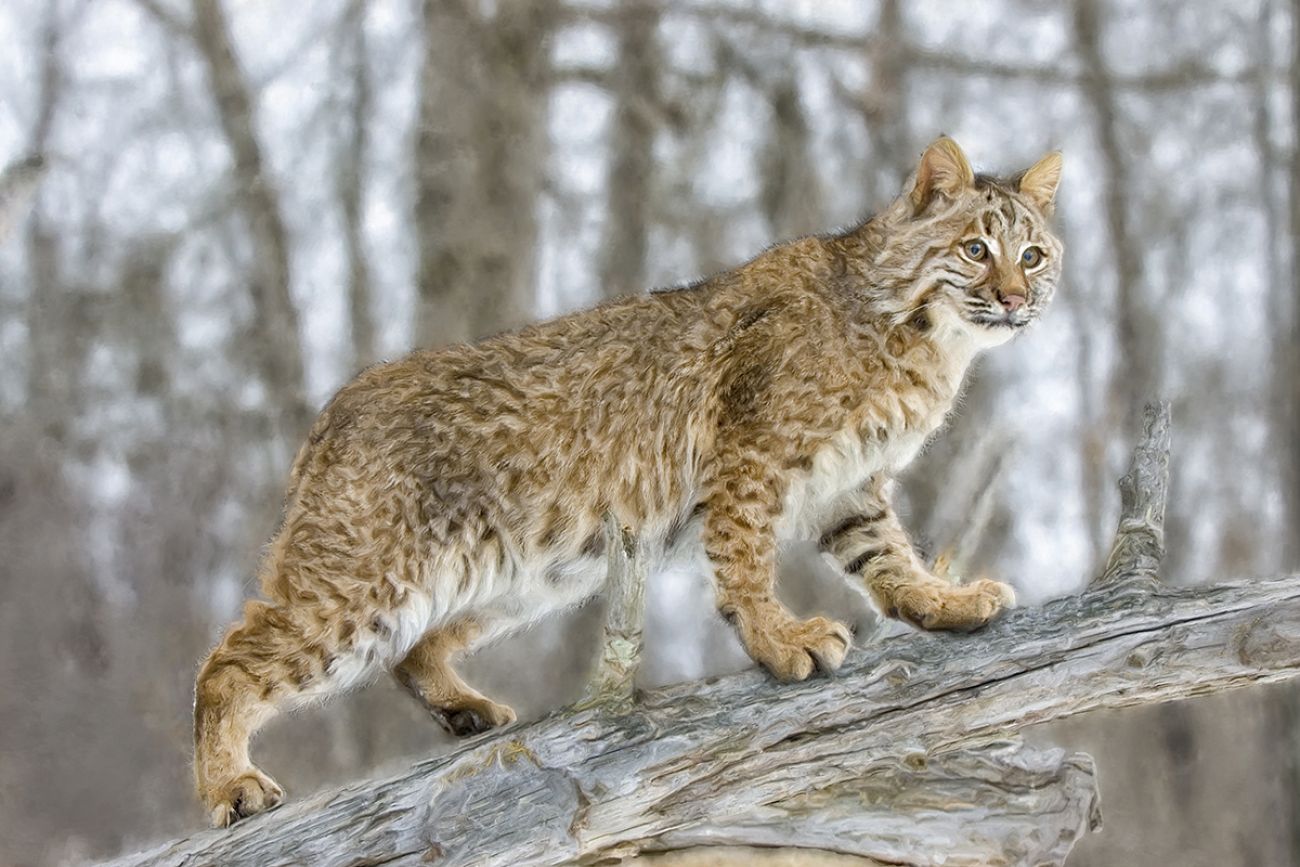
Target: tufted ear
{"type": "Point", "coordinates": [1038, 183]}
{"type": "Point", "coordinates": [943, 170]}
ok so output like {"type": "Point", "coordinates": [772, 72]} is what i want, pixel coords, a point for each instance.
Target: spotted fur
{"type": "Point", "coordinates": [454, 495]}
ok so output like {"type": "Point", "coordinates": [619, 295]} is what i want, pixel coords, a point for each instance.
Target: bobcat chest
{"type": "Point", "coordinates": [839, 468]}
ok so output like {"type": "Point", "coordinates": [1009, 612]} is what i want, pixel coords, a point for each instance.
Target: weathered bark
{"type": "Point", "coordinates": [1000, 803]}
{"type": "Point", "coordinates": [995, 804]}
{"type": "Point", "coordinates": [1144, 493]}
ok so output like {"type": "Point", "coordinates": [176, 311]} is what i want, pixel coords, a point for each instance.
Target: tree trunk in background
{"type": "Point", "coordinates": [351, 185]}
{"type": "Point", "coordinates": [277, 341]}
{"type": "Point", "coordinates": [355, 732]}
{"type": "Point", "coordinates": [48, 368]}
{"type": "Point", "coordinates": [884, 103]}
{"type": "Point", "coordinates": [1138, 369]}
{"type": "Point", "coordinates": [146, 324]}
{"type": "Point", "coordinates": [791, 197]}
{"type": "Point", "coordinates": [1136, 372]}
{"type": "Point", "coordinates": [1285, 315]}
{"type": "Point", "coordinates": [479, 160]}
{"type": "Point", "coordinates": [632, 170]}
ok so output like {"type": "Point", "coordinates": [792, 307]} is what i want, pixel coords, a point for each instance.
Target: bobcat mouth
{"type": "Point", "coordinates": [992, 320]}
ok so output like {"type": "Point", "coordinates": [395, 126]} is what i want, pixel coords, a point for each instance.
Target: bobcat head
{"type": "Point", "coordinates": [971, 250]}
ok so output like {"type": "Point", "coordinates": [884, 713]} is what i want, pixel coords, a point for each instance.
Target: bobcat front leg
{"type": "Point", "coordinates": [868, 542]}
{"type": "Point", "coordinates": [739, 537]}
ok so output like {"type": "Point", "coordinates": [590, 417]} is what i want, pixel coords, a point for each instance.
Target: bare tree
{"type": "Point", "coordinates": [791, 198]}
{"type": "Point", "coordinates": [351, 181]}
{"type": "Point", "coordinates": [884, 104]}
{"type": "Point", "coordinates": [1138, 369]}
{"type": "Point", "coordinates": [632, 173]}
{"type": "Point", "coordinates": [1285, 395]}
{"type": "Point", "coordinates": [479, 157]}
{"type": "Point", "coordinates": [277, 344]}
{"type": "Point", "coordinates": [48, 363]}
{"type": "Point", "coordinates": [1285, 316]}
{"type": "Point", "coordinates": [18, 184]}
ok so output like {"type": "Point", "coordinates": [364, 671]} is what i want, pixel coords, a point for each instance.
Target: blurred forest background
{"type": "Point", "coordinates": [245, 201]}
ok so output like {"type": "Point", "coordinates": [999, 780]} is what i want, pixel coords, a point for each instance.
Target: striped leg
{"type": "Point", "coordinates": [869, 543]}
{"type": "Point", "coordinates": [740, 540]}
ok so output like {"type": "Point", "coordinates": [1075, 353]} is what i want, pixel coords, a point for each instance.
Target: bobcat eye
{"type": "Point", "coordinates": [976, 250]}
{"type": "Point", "coordinates": [1031, 257]}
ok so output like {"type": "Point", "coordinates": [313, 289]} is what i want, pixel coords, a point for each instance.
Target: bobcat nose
{"type": "Point", "coordinates": [1012, 301]}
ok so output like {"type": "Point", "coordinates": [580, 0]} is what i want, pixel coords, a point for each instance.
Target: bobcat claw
{"type": "Point", "coordinates": [468, 721]}
{"type": "Point", "coordinates": [246, 795]}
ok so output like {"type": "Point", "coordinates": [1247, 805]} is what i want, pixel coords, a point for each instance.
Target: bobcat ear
{"type": "Point", "coordinates": [943, 170]}
{"type": "Point", "coordinates": [1038, 183]}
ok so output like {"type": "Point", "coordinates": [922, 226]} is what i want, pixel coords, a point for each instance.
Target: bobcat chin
{"type": "Point", "coordinates": [454, 495]}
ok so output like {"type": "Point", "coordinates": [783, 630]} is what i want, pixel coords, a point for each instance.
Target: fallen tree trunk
{"type": "Point", "coordinates": [889, 759]}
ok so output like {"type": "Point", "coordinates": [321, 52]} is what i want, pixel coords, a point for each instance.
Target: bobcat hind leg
{"type": "Point", "coordinates": [263, 665]}
{"type": "Point", "coordinates": [427, 674]}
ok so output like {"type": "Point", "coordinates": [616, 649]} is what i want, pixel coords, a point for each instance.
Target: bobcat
{"type": "Point", "coordinates": [454, 495]}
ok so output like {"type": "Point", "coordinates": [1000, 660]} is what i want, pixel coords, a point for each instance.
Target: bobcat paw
{"type": "Point", "coordinates": [985, 599]}
{"type": "Point", "coordinates": [474, 718]}
{"type": "Point", "coordinates": [963, 607]}
{"type": "Point", "coordinates": [791, 649]}
{"type": "Point", "coordinates": [246, 795]}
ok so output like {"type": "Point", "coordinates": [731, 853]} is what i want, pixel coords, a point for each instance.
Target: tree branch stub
{"type": "Point", "coordinates": [1139, 545]}
{"type": "Point", "coordinates": [613, 684]}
